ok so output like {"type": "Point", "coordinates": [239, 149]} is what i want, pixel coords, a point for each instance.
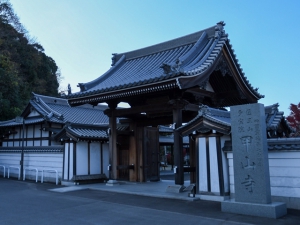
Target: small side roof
{"type": "Point", "coordinates": [208, 119]}
{"type": "Point", "coordinates": [216, 119]}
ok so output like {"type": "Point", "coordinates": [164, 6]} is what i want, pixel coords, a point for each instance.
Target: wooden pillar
{"type": "Point", "coordinates": [178, 151]}
{"type": "Point", "coordinates": [112, 142]}
{"type": "Point", "coordinates": [141, 169]}
{"type": "Point", "coordinates": [193, 162]}
{"type": "Point", "coordinates": [220, 166]}
{"type": "Point", "coordinates": [133, 173]}
{"type": "Point", "coordinates": [74, 159]}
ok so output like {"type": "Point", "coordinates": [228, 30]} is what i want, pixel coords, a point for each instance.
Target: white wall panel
{"type": "Point", "coordinates": [82, 158]}
{"type": "Point", "coordinates": [95, 158]}
{"type": "Point", "coordinates": [213, 160]}
{"type": "Point", "coordinates": [29, 132]}
{"type": "Point", "coordinates": [71, 172]}
{"type": "Point", "coordinates": [66, 161]}
{"type": "Point", "coordinates": [202, 165]}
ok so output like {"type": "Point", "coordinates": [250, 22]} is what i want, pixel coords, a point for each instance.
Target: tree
{"type": "Point", "coordinates": [24, 67]}
{"type": "Point", "coordinates": [294, 119]}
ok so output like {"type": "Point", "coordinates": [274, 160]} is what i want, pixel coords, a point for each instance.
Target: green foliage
{"type": "Point", "coordinates": [24, 67]}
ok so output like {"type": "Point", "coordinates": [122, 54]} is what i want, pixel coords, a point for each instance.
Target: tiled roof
{"type": "Point", "coordinates": [208, 119]}
{"type": "Point", "coordinates": [274, 117]}
{"type": "Point", "coordinates": [211, 118]}
{"type": "Point", "coordinates": [274, 144]}
{"type": "Point", "coordinates": [170, 139]}
{"type": "Point", "coordinates": [194, 55]}
{"type": "Point", "coordinates": [96, 132]}
{"type": "Point", "coordinates": [32, 149]}
{"type": "Point", "coordinates": [58, 110]}
{"type": "Point", "coordinates": [88, 133]}
{"type": "Point", "coordinates": [165, 129]}
{"type": "Point", "coordinates": [31, 120]}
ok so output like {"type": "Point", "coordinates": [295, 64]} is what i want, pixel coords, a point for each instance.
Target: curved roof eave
{"type": "Point", "coordinates": [239, 71]}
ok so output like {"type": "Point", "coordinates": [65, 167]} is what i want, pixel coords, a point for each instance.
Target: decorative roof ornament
{"type": "Point", "coordinates": [82, 87]}
{"type": "Point", "coordinates": [166, 68]}
{"type": "Point", "coordinates": [113, 59]}
{"type": "Point", "coordinates": [219, 29]}
{"type": "Point", "coordinates": [69, 89]}
{"type": "Point", "coordinates": [204, 110]}
{"type": "Point", "coordinates": [175, 67]}
{"type": "Point", "coordinates": [223, 67]}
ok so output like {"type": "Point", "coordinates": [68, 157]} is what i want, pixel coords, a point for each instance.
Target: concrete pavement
{"type": "Point", "coordinates": [128, 203]}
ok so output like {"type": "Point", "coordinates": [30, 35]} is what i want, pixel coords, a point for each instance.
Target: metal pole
{"type": "Point", "coordinates": [22, 152]}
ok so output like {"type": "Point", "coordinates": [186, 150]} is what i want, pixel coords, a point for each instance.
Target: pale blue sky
{"type": "Point", "coordinates": [81, 35]}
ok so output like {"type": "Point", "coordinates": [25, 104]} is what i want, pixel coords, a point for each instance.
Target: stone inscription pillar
{"type": "Point", "coordinates": [250, 154]}
{"type": "Point", "coordinates": [251, 164]}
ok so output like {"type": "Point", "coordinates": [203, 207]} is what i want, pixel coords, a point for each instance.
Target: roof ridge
{"type": "Point", "coordinates": [47, 109]}
{"type": "Point", "coordinates": [166, 45]}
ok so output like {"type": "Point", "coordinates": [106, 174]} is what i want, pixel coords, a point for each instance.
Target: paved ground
{"type": "Point", "coordinates": [26, 202]}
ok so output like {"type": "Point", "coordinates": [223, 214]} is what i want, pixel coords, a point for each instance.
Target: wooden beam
{"type": "Point", "coordinates": [140, 109]}
{"type": "Point", "coordinates": [200, 92]}
{"type": "Point", "coordinates": [227, 94]}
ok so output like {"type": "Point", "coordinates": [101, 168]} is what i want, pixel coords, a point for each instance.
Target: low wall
{"type": "Point", "coordinates": [284, 176]}
{"type": "Point", "coordinates": [41, 159]}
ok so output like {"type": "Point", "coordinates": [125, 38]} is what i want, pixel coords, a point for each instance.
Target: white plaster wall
{"type": "Point", "coordinates": [45, 133]}
{"type": "Point", "coordinates": [202, 165]}
{"type": "Point", "coordinates": [66, 164]}
{"type": "Point", "coordinates": [95, 164]}
{"type": "Point", "coordinates": [33, 113]}
{"type": "Point", "coordinates": [225, 165]}
{"type": "Point", "coordinates": [284, 167]}
{"type": "Point", "coordinates": [45, 142]}
{"type": "Point", "coordinates": [29, 132]}
{"type": "Point", "coordinates": [16, 136]}
{"type": "Point", "coordinates": [28, 143]}
{"type": "Point", "coordinates": [17, 144]}
{"type": "Point", "coordinates": [231, 172]}
{"type": "Point", "coordinates": [37, 131]}
{"type": "Point", "coordinates": [71, 172]}
{"type": "Point", "coordinates": [214, 174]}
{"type": "Point", "coordinates": [39, 161]}
{"type": "Point", "coordinates": [285, 173]}
{"type": "Point", "coordinates": [82, 158]}
{"type": "Point", "coordinates": [54, 143]}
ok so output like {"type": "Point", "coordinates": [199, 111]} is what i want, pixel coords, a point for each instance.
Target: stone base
{"type": "Point", "coordinates": [112, 183]}
{"type": "Point", "coordinates": [216, 198]}
{"type": "Point", "coordinates": [273, 210]}
{"type": "Point", "coordinates": [176, 188]}
{"type": "Point", "coordinates": [68, 183]}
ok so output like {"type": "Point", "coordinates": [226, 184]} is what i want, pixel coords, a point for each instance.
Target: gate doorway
{"type": "Point", "coordinates": [123, 157]}
{"type": "Point", "coordinates": [152, 156]}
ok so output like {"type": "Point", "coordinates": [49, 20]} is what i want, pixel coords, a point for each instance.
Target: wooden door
{"type": "Point", "coordinates": [151, 150]}
{"type": "Point", "coordinates": [123, 157]}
